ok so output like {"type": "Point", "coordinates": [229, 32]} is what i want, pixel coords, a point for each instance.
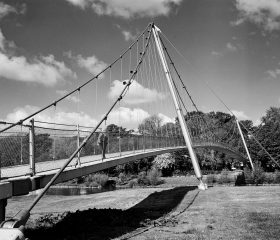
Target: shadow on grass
{"type": "Point", "coordinates": [107, 223]}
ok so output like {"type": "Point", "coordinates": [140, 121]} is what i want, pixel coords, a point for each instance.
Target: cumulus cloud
{"type": "Point", "coordinates": [136, 94]}
{"type": "Point", "coordinates": [215, 53]}
{"type": "Point", "coordinates": [128, 8]}
{"type": "Point", "coordinates": [71, 98]}
{"type": "Point", "coordinates": [230, 47]}
{"type": "Point", "coordinates": [274, 73]}
{"type": "Point", "coordinates": [82, 118]}
{"type": "Point", "coordinates": [128, 36]}
{"type": "Point", "coordinates": [127, 117]}
{"type": "Point", "coordinates": [92, 64]}
{"type": "Point", "coordinates": [240, 115]}
{"type": "Point", "coordinates": [6, 9]}
{"type": "Point", "coordinates": [45, 70]}
{"type": "Point", "coordinates": [165, 119]}
{"type": "Point", "coordinates": [265, 13]}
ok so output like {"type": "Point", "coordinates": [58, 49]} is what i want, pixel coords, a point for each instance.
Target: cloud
{"type": "Point", "coordinates": [91, 64]}
{"type": "Point", "coordinates": [45, 70]}
{"type": "Point", "coordinates": [59, 117]}
{"type": "Point", "coordinates": [165, 119]}
{"type": "Point", "coordinates": [230, 47]}
{"type": "Point", "coordinates": [128, 36]}
{"type": "Point", "coordinates": [274, 73]}
{"type": "Point", "coordinates": [127, 117]}
{"type": "Point", "coordinates": [136, 94]}
{"type": "Point", "coordinates": [215, 53]}
{"type": "Point", "coordinates": [2, 41]}
{"type": "Point", "coordinates": [128, 8]}
{"type": "Point", "coordinates": [71, 98]}
{"type": "Point", "coordinates": [264, 13]}
{"type": "Point", "coordinates": [240, 115]}
{"type": "Point", "coordinates": [6, 9]}
{"type": "Point", "coordinates": [79, 3]}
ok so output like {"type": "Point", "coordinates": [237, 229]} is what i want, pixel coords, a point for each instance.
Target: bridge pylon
{"type": "Point", "coordinates": [183, 124]}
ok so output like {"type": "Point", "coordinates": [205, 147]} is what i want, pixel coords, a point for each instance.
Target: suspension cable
{"type": "Point", "coordinates": [78, 88]}
{"type": "Point", "coordinates": [25, 214]}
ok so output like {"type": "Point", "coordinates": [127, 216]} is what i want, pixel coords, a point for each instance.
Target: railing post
{"type": "Point", "coordinates": [144, 146]}
{"type": "Point", "coordinates": [32, 148]}
{"type": "Point", "coordinates": [120, 147]}
{"type": "Point", "coordinates": [108, 142]}
{"type": "Point", "coordinates": [78, 145]}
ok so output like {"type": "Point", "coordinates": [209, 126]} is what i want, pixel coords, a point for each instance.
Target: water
{"type": "Point", "coordinates": [73, 190]}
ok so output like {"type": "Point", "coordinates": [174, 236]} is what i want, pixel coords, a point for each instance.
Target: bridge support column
{"type": "Point", "coordinates": [3, 204]}
{"type": "Point", "coordinates": [201, 186]}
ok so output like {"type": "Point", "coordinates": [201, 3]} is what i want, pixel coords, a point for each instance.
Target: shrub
{"type": "Point", "coordinates": [94, 180]}
{"type": "Point", "coordinates": [211, 178]}
{"type": "Point", "coordinates": [269, 178]}
{"type": "Point", "coordinates": [132, 183]}
{"type": "Point", "coordinates": [255, 177]}
{"type": "Point", "coordinates": [122, 178]}
{"type": "Point", "coordinates": [153, 177]}
{"type": "Point", "coordinates": [142, 179]}
{"type": "Point", "coordinates": [224, 177]}
{"type": "Point", "coordinates": [248, 176]}
{"type": "Point", "coordinates": [277, 177]}
{"type": "Point", "coordinates": [165, 162]}
{"type": "Point", "coordinates": [240, 179]}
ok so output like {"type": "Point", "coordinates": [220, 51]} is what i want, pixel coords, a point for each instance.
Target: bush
{"type": "Point", "coordinates": [95, 180]}
{"type": "Point", "coordinates": [255, 177]}
{"type": "Point", "coordinates": [277, 177]}
{"type": "Point", "coordinates": [224, 177]}
{"type": "Point", "coordinates": [240, 179]}
{"type": "Point", "coordinates": [269, 178]}
{"type": "Point", "coordinates": [132, 183]}
{"type": "Point", "coordinates": [165, 162]}
{"type": "Point", "coordinates": [142, 179]}
{"type": "Point", "coordinates": [122, 178]}
{"type": "Point", "coordinates": [153, 177]}
{"type": "Point", "coordinates": [211, 178]}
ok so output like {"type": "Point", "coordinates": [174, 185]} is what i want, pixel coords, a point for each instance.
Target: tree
{"type": "Point", "coordinates": [268, 134]}
{"type": "Point", "coordinates": [150, 125]}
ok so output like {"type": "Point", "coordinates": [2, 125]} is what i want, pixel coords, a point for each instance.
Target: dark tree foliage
{"type": "Point", "coordinates": [43, 147]}
{"type": "Point", "coordinates": [268, 134]}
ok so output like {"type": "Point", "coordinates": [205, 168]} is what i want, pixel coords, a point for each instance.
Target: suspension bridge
{"type": "Point", "coordinates": [36, 153]}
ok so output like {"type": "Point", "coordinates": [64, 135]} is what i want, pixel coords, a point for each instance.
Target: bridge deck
{"type": "Point", "coordinates": [17, 183]}
{"type": "Point", "coordinates": [14, 186]}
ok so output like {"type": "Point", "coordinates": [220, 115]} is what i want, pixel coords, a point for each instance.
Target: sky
{"type": "Point", "coordinates": [48, 48]}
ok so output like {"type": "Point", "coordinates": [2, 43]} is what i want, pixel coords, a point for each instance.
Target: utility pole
{"type": "Point", "coordinates": [201, 186]}
{"type": "Point", "coordinates": [244, 143]}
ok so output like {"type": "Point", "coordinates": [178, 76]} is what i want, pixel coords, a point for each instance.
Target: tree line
{"type": "Point", "coordinates": [152, 132]}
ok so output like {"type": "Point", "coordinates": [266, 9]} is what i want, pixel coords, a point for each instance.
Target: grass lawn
{"type": "Point", "coordinates": [227, 213]}
{"type": "Point", "coordinates": [171, 212]}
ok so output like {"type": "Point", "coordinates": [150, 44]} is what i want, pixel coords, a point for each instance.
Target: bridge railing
{"type": "Point", "coordinates": [14, 146]}
{"type": "Point", "coordinates": [53, 144]}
